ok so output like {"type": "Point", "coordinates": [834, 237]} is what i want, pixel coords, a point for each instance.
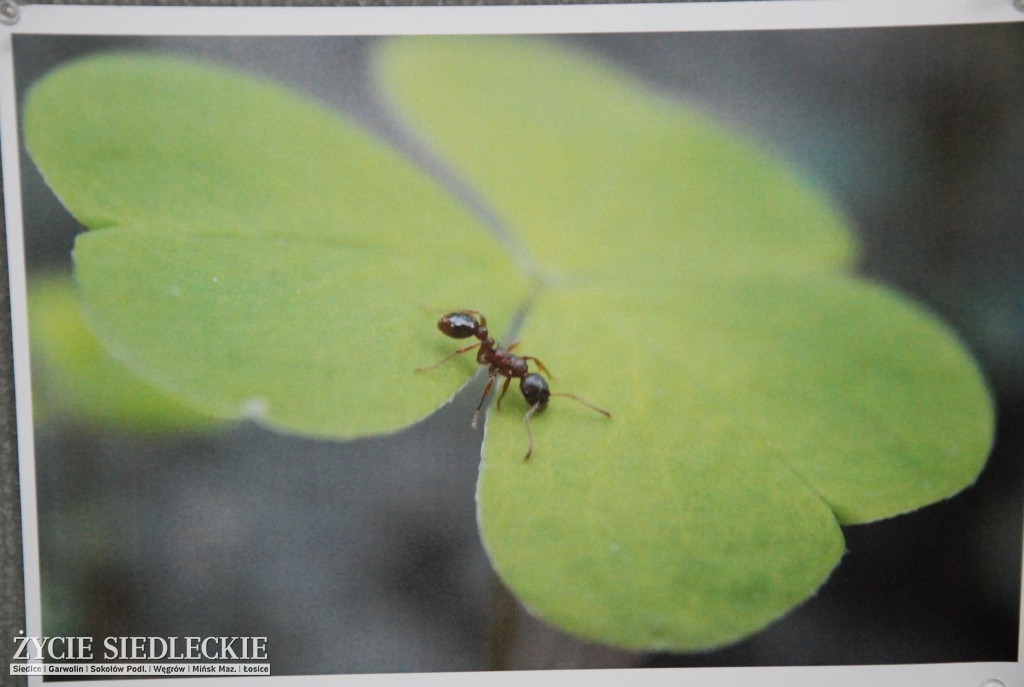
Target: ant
{"type": "Point", "coordinates": [501, 361]}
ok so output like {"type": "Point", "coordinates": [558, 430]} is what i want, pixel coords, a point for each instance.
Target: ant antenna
{"type": "Point", "coordinates": [586, 403]}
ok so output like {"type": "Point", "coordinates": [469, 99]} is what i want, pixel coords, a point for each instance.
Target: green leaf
{"type": "Point", "coordinates": [710, 503]}
{"type": "Point", "coordinates": [72, 374]}
{"type": "Point", "coordinates": [762, 395]}
{"type": "Point", "coordinates": [255, 254]}
{"type": "Point", "coordinates": [597, 175]}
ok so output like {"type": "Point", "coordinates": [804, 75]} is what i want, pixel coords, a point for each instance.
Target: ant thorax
{"type": "Point", "coordinates": [508, 364]}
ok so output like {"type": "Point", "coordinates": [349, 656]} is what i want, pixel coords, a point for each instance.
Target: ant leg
{"type": "Point", "coordinates": [487, 390]}
{"type": "Point", "coordinates": [543, 368]}
{"type": "Point", "coordinates": [446, 358]}
{"type": "Point", "coordinates": [504, 388]}
{"type": "Point", "coordinates": [529, 432]}
{"type": "Point", "coordinates": [587, 404]}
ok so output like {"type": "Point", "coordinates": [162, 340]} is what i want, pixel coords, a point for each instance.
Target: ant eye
{"type": "Point", "coordinates": [458, 325]}
{"type": "Point", "coordinates": [535, 390]}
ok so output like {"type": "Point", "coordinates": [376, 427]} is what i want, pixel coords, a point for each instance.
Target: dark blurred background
{"type": "Point", "coordinates": [363, 556]}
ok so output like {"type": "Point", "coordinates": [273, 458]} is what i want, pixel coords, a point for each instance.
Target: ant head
{"type": "Point", "coordinates": [459, 325]}
{"type": "Point", "coordinates": [535, 390]}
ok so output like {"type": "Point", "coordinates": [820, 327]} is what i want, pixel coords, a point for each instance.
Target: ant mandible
{"type": "Point", "coordinates": [501, 361]}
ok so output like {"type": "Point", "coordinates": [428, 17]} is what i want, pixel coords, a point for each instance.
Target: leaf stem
{"type": "Point", "coordinates": [503, 629]}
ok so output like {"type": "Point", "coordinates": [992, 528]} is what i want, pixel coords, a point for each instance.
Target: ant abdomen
{"type": "Point", "coordinates": [459, 325]}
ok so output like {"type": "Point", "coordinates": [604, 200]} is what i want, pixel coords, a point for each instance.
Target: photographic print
{"type": "Point", "coordinates": [452, 353]}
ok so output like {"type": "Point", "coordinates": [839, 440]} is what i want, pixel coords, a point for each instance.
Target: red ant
{"type": "Point", "coordinates": [464, 324]}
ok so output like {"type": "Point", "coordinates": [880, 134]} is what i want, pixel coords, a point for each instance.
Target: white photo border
{"type": "Point", "coordinates": [533, 19]}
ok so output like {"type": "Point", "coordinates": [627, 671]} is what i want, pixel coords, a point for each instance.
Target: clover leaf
{"type": "Point", "coordinates": [253, 254]}
{"type": "Point", "coordinates": [762, 393]}
{"type": "Point", "coordinates": [73, 375]}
